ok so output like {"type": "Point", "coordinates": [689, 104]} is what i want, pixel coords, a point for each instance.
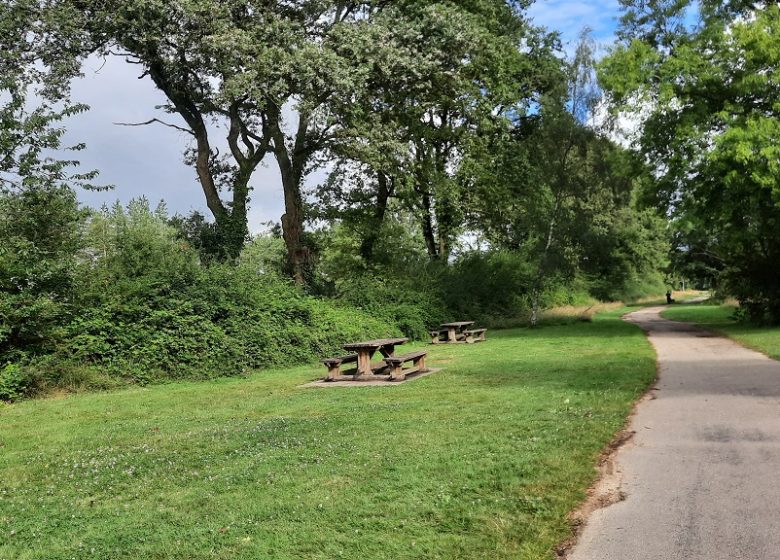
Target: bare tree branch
{"type": "Point", "coordinates": [155, 120]}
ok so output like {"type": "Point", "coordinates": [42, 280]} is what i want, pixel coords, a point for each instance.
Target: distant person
{"type": "Point", "coordinates": [669, 299]}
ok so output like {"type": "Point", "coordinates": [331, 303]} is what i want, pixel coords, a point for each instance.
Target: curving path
{"type": "Point", "coordinates": [701, 477]}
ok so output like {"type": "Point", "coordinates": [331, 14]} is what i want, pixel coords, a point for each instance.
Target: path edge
{"type": "Point", "coordinates": [605, 490]}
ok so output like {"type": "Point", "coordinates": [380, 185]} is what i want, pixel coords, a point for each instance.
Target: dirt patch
{"type": "Point", "coordinates": [606, 491]}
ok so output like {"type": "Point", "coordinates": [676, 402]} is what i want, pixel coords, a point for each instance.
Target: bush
{"type": "Point", "coordinates": [411, 305]}
{"type": "Point", "coordinates": [13, 382]}
{"type": "Point", "coordinates": [145, 310]}
{"type": "Point", "coordinates": [228, 320]}
{"type": "Point", "coordinates": [484, 287]}
{"type": "Point", "coordinates": [274, 322]}
{"type": "Point", "coordinates": [39, 240]}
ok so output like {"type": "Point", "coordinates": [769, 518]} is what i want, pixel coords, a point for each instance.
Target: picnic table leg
{"type": "Point", "coordinates": [452, 336]}
{"type": "Point", "coordinates": [396, 372]}
{"type": "Point", "coordinates": [387, 352]}
{"type": "Point", "coordinates": [364, 366]}
{"type": "Point", "coordinates": [333, 373]}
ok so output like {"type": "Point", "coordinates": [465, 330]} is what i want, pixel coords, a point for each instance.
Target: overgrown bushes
{"type": "Point", "coordinates": [134, 305]}
{"type": "Point", "coordinates": [117, 296]}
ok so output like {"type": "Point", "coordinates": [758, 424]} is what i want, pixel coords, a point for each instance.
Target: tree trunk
{"type": "Point", "coordinates": [384, 191]}
{"type": "Point", "coordinates": [292, 163]}
{"type": "Point", "coordinates": [232, 226]}
{"type": "Point", "coordinates": [427, 229]}
{"type": "Point", "coordinates": [534, 307]}
{"type": "Point", "coordinates": [536, 291]}
{"type": "Point", "coordinates": [231, 223]}
{"type": "Point", "coordinates": [298, 254]}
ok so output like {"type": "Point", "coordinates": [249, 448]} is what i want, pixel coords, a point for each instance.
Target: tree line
{"type": "Point", "coordinates": [466, 177]}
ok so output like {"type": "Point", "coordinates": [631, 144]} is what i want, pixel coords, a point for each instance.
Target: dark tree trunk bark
{"type": "Point", "coordinates": [231, 223]}
{"type": "Point", "coordinates": [384, 192]}
{"type": "Point", "coordinates": [292, 163]}
{"type": "Point", "coordinates": [427, 228]}
{"type": "Point", "coordinates": [298, 254]}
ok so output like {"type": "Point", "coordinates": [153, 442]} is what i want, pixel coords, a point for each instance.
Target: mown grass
{"type": "Point", "coordinates": [721, 319]}
{"type": "Point", "coordinates": [483, 459]}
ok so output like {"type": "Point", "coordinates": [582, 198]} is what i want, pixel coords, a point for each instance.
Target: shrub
{"type": "Point", "coordinates": [487, 286]}
{"type": "Point", "coordinates": [411, 302]}
{"type": "Point", "coordinates": [39, 240]}
{"type": "Point", "coordinates": [13, 382]}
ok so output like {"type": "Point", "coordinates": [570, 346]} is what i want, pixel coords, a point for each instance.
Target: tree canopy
{"type": "Point", "coordinates": [466, 177]}
{"type": "Point", "coordinates": [706, 99]}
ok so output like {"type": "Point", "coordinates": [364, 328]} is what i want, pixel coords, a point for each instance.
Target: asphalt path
{"type": "Point", "coordinates": [701, 476]}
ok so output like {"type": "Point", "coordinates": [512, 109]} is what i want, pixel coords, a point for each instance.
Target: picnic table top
{"type": "Point", "coordinates": [378, 343]}
{"type": "Point", "coordinates": [458, 324]}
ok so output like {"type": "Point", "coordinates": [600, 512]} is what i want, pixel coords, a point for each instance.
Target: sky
{"type": "Point", "coordinates": [147, 161]}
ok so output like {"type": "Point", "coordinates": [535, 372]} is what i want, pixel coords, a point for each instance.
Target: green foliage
{"type": "Point", "coordinates": [625, 250]}
{"type": "Point", "coordinates": [413, 303]}
{"type": "Point", "coordinates": [40, 234]}
{"type": "Point", "coordinates": [707, 97]}
{"type": "Point", "coordinates": [486, 287]}
{"type": "Point", "coordinates": [35, 66]}
{"type": "Point", "coordinates": [264, 254]}
{"type": "Point", "coordinates": [423, 114]}
{"type": "Point", "coordinates": [562, 196]}
{"type": "Point", "coordinates": [13, 382]}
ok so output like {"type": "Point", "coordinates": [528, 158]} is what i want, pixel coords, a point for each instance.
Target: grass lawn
{"type": "Point", "coordinates": [720, 318]}
{"type": "Point", "coordinates": [481, 460]}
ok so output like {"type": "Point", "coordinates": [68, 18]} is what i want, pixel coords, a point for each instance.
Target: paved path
{"type": "Point", "coordinates": [702, 474]}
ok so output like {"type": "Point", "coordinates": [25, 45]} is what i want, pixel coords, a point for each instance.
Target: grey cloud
{"type": "Point", "coordinates": [146, 160]}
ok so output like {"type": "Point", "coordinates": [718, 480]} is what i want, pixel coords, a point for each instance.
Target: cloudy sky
{"type": "Point", "coordinates": [148, 160]}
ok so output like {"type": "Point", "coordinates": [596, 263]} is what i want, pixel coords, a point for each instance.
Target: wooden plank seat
{"type": "Point", "coordinates": [475, 335]}
{"type": "Point", "coordinates": [395, 364]}
{"type": "Point", "coordinates": [334, 365]}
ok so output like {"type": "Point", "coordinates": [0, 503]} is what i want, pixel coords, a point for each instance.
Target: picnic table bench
{"type": "Point", "coordinates": [456, 332]}
{"type": "Point", "coordinates": [392, 368]}
{"type": "Point", "coordinates": [395, 363]}
{"type": "Point", "coordinates": [334, 365]}
{"type": "Point", "coordinates": [475, 335]}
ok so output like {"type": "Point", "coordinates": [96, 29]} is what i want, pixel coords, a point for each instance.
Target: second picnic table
{"type": "Point", "coordinates": [365, 350]}
{"type": "Point", "coordinates": [454, 329]}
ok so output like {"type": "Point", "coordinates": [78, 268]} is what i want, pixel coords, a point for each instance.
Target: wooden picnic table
{"type": "Point", "coordinates": [365, 350]}
{"type": "Point", "coordinates": [453, 329]}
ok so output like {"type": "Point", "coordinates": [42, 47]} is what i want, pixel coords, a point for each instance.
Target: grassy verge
{"type": "Point", "coordinates": [720, 318]}
{"type": "Point", "coordinates": [481, 460]}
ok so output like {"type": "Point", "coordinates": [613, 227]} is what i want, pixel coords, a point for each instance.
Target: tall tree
{"type": "Point", "coordinates": [264, 70]}
{"type": "Point", "coordinates": [707, 98]}
{"type": "Point", "coordinates": [557, 192]}
{"type": "Point", "coordinates": [534, 177]}
{"type": "Point", "coordinates": [455, 72]}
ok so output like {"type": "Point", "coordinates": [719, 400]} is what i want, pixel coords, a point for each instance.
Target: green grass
{"type": "Point", "coordinates": [720, 318]}
{"type": "Point", "coordinates": [483, 459]}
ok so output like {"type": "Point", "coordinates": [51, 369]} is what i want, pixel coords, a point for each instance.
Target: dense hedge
{"type": "Point", "coordinates": [135, 305]}
{"type": "Point", "coordinates": [101, 299]}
